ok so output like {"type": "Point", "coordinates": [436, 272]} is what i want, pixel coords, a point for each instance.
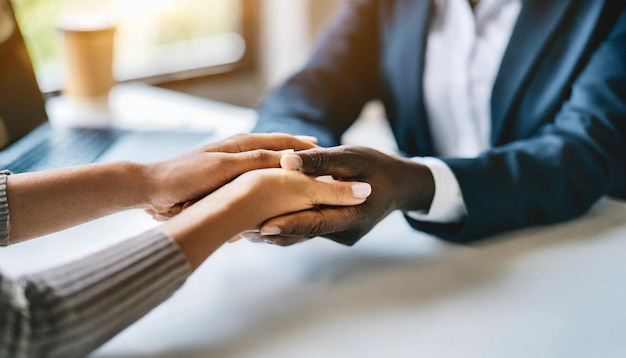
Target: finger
{"type": "Point", "coordinates": [308, 138]}
{"type": "Point", "coordinates": [235, 238]}
{"type": "Point", "coordinates": [326, 178]}
{"type": "Point", "coordinates": [291, 162]}
{"type": "Point", "coordinates": [278, 240]}
{"type": "Point", "coordinates": [239, 163]}
{"type": "Point", "coordinates": [161, 217]}
{"type": "Point", "coordinates": [281, 240]}
{"type": "Point", "coordinates": [328, 191]}
{"type": "Point", "coordinates": [165, 211]}
{"type": "Point", "coordinates": [278, 141]}
{"type": "Point", "coordinates": [188, 204]}
{"type": "Point", "coordinates": [272, 141]}
{"type": "Point", "coordinates": [340, 162]}
{"type": "Point", "coordinates": [174, 210]}
{"type": "Point", "coordinates": [310, 223]}
{"type": "Point", "coordinates": [243, 235]}
{"type": "Point", "coordinates": [156, 216]}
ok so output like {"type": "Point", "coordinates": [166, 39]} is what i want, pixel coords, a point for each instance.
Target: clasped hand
{"type": "Point", "coordinates": [397, 184]}
{"type": "Point", "coordinates": [175, 183]}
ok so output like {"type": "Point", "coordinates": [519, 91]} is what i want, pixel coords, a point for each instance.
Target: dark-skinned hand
{"type": "Point", "coordinates": [397, 184]}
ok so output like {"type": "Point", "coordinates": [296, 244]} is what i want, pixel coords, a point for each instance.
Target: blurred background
{"type": "Point", "coordinates": [227, 50]}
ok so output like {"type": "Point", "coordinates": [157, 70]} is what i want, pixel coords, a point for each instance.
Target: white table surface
{"type": "Point", "coordinates": [554, 291]}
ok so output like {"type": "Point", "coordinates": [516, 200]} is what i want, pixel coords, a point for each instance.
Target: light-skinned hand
{"type": "Point", "coordinates": [172, 183]}
{"type": "Point", "coordinates": [397, 184]}
{"type": "Point", "coordinates": [251, 199]}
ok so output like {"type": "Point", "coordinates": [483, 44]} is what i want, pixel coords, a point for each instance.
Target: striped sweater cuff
{"type": "Point", "coordinates": [4, 209]}
{"type": "Point", "coordinates": [77, 307]}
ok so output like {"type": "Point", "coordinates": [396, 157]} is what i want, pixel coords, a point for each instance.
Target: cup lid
{"type": "Point", "coordinates": [86, 21]}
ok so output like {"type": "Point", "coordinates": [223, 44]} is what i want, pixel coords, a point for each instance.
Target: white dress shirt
{"type": "Point", "coordinates": [464, 51]}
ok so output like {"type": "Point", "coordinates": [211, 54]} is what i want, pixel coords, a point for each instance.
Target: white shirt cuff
{"type": "Point", "coordinates": [448, 205]}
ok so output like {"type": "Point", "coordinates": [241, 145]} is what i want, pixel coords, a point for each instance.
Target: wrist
{"type": "Point", "coordinates": [137, 182]}
{"type": "Point", "coordinates": [202, 228]}
{"type": "Point", "coordinates": [416, 186]}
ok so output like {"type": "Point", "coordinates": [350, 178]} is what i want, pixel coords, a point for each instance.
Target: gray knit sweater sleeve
{"type": "Point", "coordinates": [70, 310]}
{"type": "Point", "coordinates": [4, 209]}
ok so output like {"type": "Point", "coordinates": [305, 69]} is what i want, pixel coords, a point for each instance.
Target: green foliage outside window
{"type": "Point", "coordinates": [143, 24]}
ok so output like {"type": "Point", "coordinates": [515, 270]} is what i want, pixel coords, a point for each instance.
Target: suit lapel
{"type": "Point", "coordinates": [537, 22]}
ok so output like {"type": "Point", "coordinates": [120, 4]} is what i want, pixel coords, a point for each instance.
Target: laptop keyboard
{"type": "Point", "coordinates": [65, 148]}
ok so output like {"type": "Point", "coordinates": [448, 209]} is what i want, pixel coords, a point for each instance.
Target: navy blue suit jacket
{"type": "Point", "coordinates": [558, 106]}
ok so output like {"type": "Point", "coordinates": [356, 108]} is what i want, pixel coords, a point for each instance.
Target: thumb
{"type": "Point", "coordinates": [338, 162]}
{"type": "Point", "coordinates": [340, 193]}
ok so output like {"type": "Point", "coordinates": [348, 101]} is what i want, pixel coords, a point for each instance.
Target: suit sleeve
{"type": "Point", "coordinates": [327, 95]}
{"type": "Point", "coordinates": [562, 171]}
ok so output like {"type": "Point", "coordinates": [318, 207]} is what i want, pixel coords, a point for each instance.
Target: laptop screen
{"type": "Point", "coordinates": [22, 107]}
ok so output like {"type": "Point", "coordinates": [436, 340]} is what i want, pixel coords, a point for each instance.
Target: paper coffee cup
{"type": "Point", "coordinates": [88, 45]}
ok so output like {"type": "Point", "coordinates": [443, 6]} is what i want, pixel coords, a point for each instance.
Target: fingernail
{"type": "Point", "coordinates": [270, 231]}
{"type": "Point", "coordinates": [325, 179]}
{"type": "Point", "coordinates": [291, 162]}
{"type": "Point", "coordinates": [307, 138]}
{"type": "Point", "coordinates": [287, 151]}
{"type": "Point", "coordinates": [361, 190]}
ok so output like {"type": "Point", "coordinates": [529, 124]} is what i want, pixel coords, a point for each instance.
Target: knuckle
{"type": "Point", "coordinates": [318, 228]}
{"type": "Point", "coordinates": [238, 142]}
{"type": "Point", "coordinates": [320, 162]}
{"type": "Point", "coordinates": [262, 156]}
{"type": "Point", "coordinates": [347, 162]}
{"type": "Point", "coordinates": [239, 137]}
{"type": "Point", "coordinates": [342, 193]}
{"type": "Point", "coordinates": [314, 160]}
{"type": "Point", "coordinates": [303, 228]}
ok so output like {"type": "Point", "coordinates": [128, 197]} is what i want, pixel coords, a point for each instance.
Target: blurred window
{"type": "Point", "coordinates": [153, 37]}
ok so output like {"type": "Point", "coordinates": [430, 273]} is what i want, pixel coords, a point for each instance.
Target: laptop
{"type": "Point", "coordinates": [29, 143]}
